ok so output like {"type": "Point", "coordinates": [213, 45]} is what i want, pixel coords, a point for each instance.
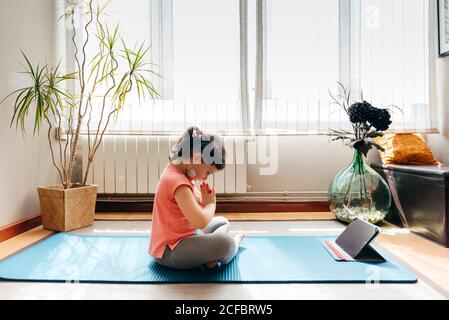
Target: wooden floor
{"type": "Point", "coordinates": [427, 259]}
{"type": "Point", "coordinates": [22, 241]}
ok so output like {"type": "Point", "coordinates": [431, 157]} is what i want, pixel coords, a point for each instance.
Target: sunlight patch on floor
{"type": "Point", "coordinates": [250, 231]}
{"type": "Point", "coordinates": [324, 230]}
{"type": "Point", "coordinates": [127, 231]}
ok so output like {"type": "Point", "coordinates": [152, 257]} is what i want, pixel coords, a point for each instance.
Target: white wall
{"type": "Point", "coordinates": [439, 143]}
{"type": "Point", "coordinates": [307, 165]}
{"type": "Point", "coordinates": [24, 163]}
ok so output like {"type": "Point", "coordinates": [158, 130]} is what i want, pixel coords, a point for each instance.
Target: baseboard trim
{"type": "Point", "coordinates": [115, 205]}
{"type": "Point", "coordinates": [19, 227]}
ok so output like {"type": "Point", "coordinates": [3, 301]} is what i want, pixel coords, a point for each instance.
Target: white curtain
{"type": "Point", "coordinates": [195, 47]}
{"type": "Point", "coordinates": [381, 48]}
{"type": "Point", "coordinates": [301, 62]}
{"type": "Point", "coordinates": [396, 60]}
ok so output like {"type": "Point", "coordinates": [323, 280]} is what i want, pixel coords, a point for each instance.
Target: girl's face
{"type": "Point", "coordinates": [203, 171]}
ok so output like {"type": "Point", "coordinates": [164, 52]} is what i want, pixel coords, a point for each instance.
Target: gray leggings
{"type": "Point", "coordinates": [214, 244]}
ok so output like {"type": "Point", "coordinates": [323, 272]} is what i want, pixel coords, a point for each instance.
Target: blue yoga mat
{"type": "Point", "coordinates": [123, 259]}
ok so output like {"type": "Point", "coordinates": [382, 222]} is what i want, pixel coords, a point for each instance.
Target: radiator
{"type": "Point", "coordinates": [133, 164]}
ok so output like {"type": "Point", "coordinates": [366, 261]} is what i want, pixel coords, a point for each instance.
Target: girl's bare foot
{"type": "Point", "coordinates": [238, 240]}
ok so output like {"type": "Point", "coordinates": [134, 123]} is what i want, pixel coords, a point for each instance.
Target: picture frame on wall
{"type": "Point", "coordinates": [443, 27]}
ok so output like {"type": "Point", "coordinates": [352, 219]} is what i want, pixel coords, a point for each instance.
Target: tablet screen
{"type": "Point", "coordinates": [356, 236]}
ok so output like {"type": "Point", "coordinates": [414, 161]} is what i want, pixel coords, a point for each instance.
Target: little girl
{"type": "Point", "coordinates": [180, 210]}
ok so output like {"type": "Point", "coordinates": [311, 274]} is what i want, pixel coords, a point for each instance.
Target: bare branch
{"type": "Point", "coordinates": [61, 159]}
{"type": "Point", "coordinates": [76, 135]}
{"type": "Point", "coordinates": [50, 127]}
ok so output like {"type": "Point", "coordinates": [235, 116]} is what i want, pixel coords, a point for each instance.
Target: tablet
{"type": "Point", "coordinates": [357, 236]}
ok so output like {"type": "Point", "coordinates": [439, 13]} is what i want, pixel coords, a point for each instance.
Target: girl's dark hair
{"type": "Point", "coordinates": [209, 145]}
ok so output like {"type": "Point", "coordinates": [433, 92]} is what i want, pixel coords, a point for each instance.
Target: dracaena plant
{"type": "Point", "coordinates": [368, 122]}
{"type": "Point", "coordinates": [101, 88]}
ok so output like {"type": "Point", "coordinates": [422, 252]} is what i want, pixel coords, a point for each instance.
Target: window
{"type": "Point", "coordinates": [266, 66]}
{"type": "Point", "coordinates": [396, 60]}
{"type": "Point", "coordinates": [382, 49]}
{"type": "Point", "coordinates": [204, 73]}
{"type": "Point", "coordinates": [301, 62]}
{"type": "Point", "coordinates": [195, 47]}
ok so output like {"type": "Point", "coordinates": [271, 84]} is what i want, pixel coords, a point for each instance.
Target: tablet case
{"type": "Point", "coordinates": [368, 253]}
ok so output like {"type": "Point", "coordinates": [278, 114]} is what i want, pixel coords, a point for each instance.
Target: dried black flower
{"type": "Point", "coordinates": [382, 120]}
{"type": "Point", "coordinates": [362, 112]}
{"type": "Point", "coordinates": [367, 121]}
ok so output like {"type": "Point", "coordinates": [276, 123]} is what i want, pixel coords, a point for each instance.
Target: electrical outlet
{"type": "Point", "coordinates": [60, 134]}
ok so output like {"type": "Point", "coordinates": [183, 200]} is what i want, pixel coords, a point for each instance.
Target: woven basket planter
{"type": "Point", "coordinates": [70, 209]}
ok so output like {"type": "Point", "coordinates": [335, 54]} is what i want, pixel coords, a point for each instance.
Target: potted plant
{"type": "Point", "coordinates": [101, 90]}
{"type": "Point", "coordinates": [358, 191]}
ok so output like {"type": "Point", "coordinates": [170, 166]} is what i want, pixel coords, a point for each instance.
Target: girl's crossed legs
{"type": "Point", "coordinates": [214, 244]}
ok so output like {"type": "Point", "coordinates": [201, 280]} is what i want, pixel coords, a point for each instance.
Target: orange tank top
{"type": "Point", "coordinates": [169, 225]}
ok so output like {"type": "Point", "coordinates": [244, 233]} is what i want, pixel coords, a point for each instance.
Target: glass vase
{"type": "Point", "coordinates": [359, 192]}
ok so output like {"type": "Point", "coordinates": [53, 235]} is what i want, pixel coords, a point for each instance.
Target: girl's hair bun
{"type": "Point", "coordinates": [194, 140]}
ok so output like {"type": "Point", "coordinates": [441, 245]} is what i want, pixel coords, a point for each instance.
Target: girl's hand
{"type": "Point", "coordinates": [207, 194]}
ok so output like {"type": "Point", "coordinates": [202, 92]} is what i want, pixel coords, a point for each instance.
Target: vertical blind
{"type": "Point", "coordinates": [200, 53]}
{"type": "Point", "coordinates": [397, 60]}
{"type": "Point", "coordinates": [301, 62]}
{"type": "Point", "coordinates": [195, 51]}
{"type": "Point", "coordinates": [382, 49]}
{"type": "Point", "coordinates": [224, 74]}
